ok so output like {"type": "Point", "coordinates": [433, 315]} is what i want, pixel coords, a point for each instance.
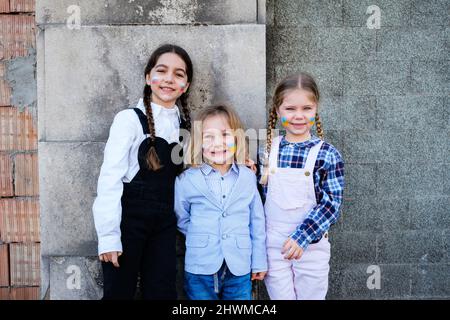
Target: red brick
{"type": "Point", "coordinates": [4, 6]}
{"type": "Point", "coordinates": [4, 294]}
{"type": "Point", "coordinates": [5, 89]}
{"type": "Point", "coordinates": [18, 130]}
{"type": "Point", "coordinates": [5, 93]}
{"type": "Point", "coordinates": [17, 34]}
{"type": "Point", "coordinates": [4, 265]}
{"type": "Point", "coordinates": [19, 220]}
{"type": "Point", "coordinates": [22, 5]}
{"type": "Point", "coordinates": [26, 178]}
{"type": "Point", "coordinates": [6, 176]}
{"type": "Point", "coordinates": [25, 293]}
{"type": "Point", "coordinates": [24, 264]}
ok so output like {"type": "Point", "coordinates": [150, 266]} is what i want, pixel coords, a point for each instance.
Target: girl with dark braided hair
{"type": "Point", "coordinates": [133, 212]}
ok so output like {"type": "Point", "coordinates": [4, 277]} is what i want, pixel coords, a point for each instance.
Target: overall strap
{"type": "Point", "coordinates": [143, 119]}
{"type": "Point", "coordinates": [183, 123]}
{"type": "Point", "coordinates": [273, 155]}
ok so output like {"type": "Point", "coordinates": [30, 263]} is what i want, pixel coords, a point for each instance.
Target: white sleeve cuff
{"type": "Point", "coordinates": [109, 244]}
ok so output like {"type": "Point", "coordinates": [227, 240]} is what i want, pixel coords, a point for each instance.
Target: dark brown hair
{"type": "Point", "coordinates": [153, 162]}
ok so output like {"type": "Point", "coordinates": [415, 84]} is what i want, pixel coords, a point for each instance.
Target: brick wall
{"type": "Point", "coordinates": [19, 190]}
{"type": "Point", "coordinates": [386, 107]}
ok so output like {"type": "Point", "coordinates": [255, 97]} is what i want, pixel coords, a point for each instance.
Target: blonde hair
{"type": "Point", "coordinates": [298, 81]}
{"type": "Point", "coordinates": [194, 153]}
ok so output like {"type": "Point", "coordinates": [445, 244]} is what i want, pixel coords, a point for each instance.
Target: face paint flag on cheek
{"type": "Point", "coordinates": [182, 87]}
{"type": "Point", "coordinates": [155, 80]}
{"type": "Point", "coordinates": [284, 121]}
{"type": "Point", "coordinates": [312, 120]}
{"type": "Point", "coordinates": [232, 147]}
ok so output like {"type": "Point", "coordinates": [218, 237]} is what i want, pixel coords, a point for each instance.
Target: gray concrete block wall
{"type": "Point", "coordinates": [386, 107]}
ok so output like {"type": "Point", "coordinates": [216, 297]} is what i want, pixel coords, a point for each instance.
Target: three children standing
{"type": "Point", "coordinates": [231, 238]}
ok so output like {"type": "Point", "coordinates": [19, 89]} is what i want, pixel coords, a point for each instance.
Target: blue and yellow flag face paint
{"type": "Point", "coordinates": [232, 147]}
{"type": "Point", "coordinates": [285, 123]}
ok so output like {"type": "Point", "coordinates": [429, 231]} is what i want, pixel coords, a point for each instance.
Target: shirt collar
{"type": "Point", "coordinates": [305, 144]}
{"type": "Point", "coordinates": [207, 169]}
{"type": "Point", "coordinates": [156, 108]}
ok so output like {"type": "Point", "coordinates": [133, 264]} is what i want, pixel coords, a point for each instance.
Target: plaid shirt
{"type": "Point", "coordinates": [328, 184]}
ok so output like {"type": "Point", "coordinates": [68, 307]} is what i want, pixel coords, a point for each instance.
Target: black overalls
{"type": "Point", "coordinates": [148, 228]}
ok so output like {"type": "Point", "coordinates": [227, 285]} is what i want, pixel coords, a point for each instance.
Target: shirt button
{"type": "Point", "coordinates": [307, 173]}
{"type": "Point", "coordinates": [221, 178]}
{"type": "Point", "coordinates": [224, 236]}
{"type": "Point", "coordinates": [224, 214]}
{"type": "Point", "coordinates": [223, 196]}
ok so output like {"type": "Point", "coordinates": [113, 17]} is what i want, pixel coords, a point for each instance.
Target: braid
{"type": "Point", "coordinates": [271, 126]}
{"type": "Point", "coordinates": [319, 126]}
{"type": "Point", "coordinates": [153, 162]}
{"type": "Point", "coordinates": [186, 111]}
{"type": "Point", "coordinates": [272, 123]}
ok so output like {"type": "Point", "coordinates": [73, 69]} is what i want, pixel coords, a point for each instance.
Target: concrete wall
{"type": "Point", "coordinates": [86, 75]}
{"type": "Point", "coordinates": [386, 108]}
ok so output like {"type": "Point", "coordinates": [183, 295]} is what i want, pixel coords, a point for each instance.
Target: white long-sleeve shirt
{"type": "Point", "coordinates": [120, 164]}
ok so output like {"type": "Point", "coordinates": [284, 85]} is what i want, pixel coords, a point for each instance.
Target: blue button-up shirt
{"type": "Point", "coordinates": [220, 185]}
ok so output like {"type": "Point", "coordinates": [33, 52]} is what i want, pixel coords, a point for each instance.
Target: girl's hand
{"type": "Point", "coordinates": [251, 164]}
{"type": "Point", "coordinates": [292, 249]}
{"type": "Point", "coordinates": [111, 257]}
{"type": "Point", "coordinates": [259, 275]}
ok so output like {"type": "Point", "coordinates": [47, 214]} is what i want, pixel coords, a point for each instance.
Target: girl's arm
{"type": "Point", "coordinates": [107, 208]}
{"type": "Point", "coordinates": [182, 206]}
{"type": "Point", "coordinates": [258, 232]}
{"type": "Point", "coordinates": [326, 212]}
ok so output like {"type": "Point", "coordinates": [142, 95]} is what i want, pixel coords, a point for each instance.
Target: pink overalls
{"type": "Point", "coordinates": [290, 197]}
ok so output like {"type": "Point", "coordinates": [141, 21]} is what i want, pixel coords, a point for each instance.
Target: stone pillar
{"type": "Point", "coordinates": [89, 72]}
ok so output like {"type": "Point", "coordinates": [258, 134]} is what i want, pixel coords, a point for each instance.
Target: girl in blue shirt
{"type": "Point", "coordinates": [219, 210]}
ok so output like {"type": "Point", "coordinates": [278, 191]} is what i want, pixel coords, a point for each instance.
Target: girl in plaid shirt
{"type": "Point", "coordinates": [303, 182]}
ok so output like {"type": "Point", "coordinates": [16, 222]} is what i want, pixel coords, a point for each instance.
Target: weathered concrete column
{"type": "Point", "coordinates": [87, 74]}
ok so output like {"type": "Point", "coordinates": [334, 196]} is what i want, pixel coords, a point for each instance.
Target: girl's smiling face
{"type": "Point", "coordinates": [168, 79]}
{"type": "Point", "coordinates": [297, 114]}
{"type": "Point", "coordinates": [218, 140]}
